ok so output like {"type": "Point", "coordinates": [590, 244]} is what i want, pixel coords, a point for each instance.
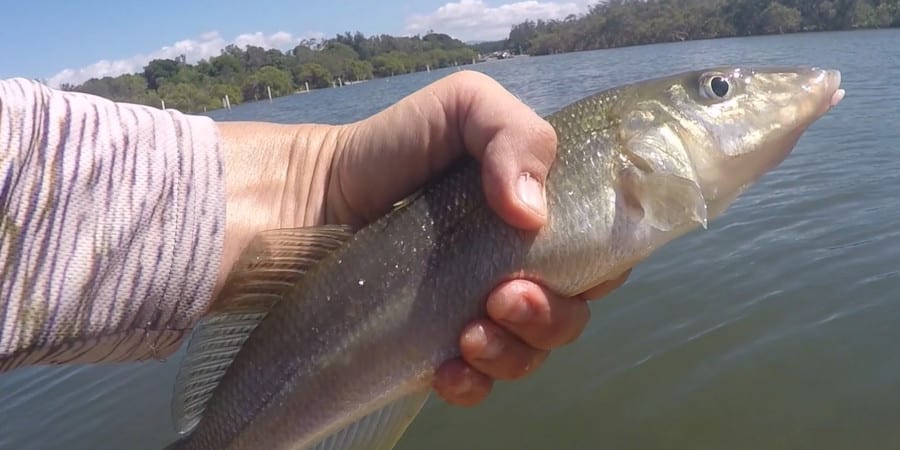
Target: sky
{"type": "Point", "coordinates": [70, 41]}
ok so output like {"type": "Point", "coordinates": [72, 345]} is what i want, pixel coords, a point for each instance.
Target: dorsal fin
{"type": "Point", "coordinates": [409, 199]}
{"type": "Point", "coordinates": [267, 269]}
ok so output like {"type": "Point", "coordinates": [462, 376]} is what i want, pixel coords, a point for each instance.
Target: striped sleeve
{"type": "Point", "coordinates": [111, 226]}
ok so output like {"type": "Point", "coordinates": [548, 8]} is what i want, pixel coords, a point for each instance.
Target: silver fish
{"type": "Point", "coordinates": [329, 337]}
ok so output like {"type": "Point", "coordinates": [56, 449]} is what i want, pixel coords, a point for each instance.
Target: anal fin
{"type": "Point", "coordinates": [267, 269]}
{"type": "Point", "coordinates": [380, 430]}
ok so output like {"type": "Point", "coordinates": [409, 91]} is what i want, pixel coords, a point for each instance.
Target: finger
{"type": "Point", "coordinates": [540, 318]}
{"type": "Point", "coordinates": [498, 354]}
{"type": "Point", "coordinates": [458, 383]}
{"type": "Point", "coordinates": [431, 128]}
{"type": "Point", "coordinates": [604, 289]}
{"type": "Point", "coordinates": [516, 148]}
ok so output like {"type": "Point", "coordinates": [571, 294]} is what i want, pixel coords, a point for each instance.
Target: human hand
{"type": "Point", "coordinates": [336, 175]}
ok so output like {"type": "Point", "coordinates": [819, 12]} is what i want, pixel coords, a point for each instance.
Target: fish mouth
{"type": "Point", "coordinates": [831, 79]}
{"type": "Point", "coordinates": [825, 87]}
{"type": "Point", "coordinates": [836, 98]}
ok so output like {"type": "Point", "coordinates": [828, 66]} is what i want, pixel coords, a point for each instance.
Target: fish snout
{"type": "Point", "coordinates": [827, 84]}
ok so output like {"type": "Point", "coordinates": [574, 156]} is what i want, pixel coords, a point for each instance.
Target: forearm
{"type": "Point", "coordinates": [111, 226]}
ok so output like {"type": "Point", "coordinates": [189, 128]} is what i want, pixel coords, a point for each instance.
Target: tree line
{"type": "Point", "coordinates": [618, 23]}
{"type": "Point", "coordinates": [250, 73]}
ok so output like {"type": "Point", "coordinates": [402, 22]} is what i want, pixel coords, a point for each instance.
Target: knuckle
{"type": "Point", "coordinates": [469, 74]}
{"type": "Point", "coordinates": [545, 135]}
{"type": "Point", "coordinates": [471, 79]}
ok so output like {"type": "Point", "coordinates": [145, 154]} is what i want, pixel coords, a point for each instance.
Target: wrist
{"type": "Point", "coordinates": [276, 176]}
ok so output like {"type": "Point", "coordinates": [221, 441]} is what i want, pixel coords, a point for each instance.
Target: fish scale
{"type": "Point", "coordinates": [344, 358]}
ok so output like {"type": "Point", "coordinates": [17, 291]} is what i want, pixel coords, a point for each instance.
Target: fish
{"type": "Point", "coordinates": [328, 337]}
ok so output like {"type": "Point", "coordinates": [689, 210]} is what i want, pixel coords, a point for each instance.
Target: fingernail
{"type": "Point", "coordinates": [492, 346]}
{"type": "Point", "coordinates": [531, 193]}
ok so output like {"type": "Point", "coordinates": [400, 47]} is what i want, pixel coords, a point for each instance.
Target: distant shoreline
{"type": "Point", "coordinates": [245, 75]}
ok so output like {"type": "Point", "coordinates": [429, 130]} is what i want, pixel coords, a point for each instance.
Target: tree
{"type": "Point", "coordinates": [256, 86]}
{"type": "Point", "coordinates": [777, 18]}
{"type": "Point", "coordinates": [862, 15]}
{"type": "Point", "coordinates": [226, 66]}
{"type": "Point", "coordinates": [359, 70]}
{"type": "Point", "coordinates": [185, 97]}
{"type": "Point", "coordinates": [158, 70]}
{"type": "Point", "coordinates": [391, 64]}
{"type": "Point", "coordinates": [615, 23]}
{"type": "Point", "coordinates": [220, 90]}
{"type": "Point", "coordinates": [315, 74]}
{"type": "Point", "coordinates": [256, 57]}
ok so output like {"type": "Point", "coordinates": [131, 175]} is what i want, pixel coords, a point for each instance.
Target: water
{"type": "Point", "coordinates": [774, 329]}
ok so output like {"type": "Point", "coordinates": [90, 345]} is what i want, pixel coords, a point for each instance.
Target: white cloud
{"type": "Point", "coordinates": [471, 20]}
{"type": "Point", "coordinates": [207, 45]}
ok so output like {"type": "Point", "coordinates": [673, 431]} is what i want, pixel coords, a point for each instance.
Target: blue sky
{"type": "Point", "coordinates": [72, 40]}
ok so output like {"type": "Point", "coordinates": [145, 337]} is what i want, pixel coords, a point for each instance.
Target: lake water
{"type": "Point", "coordinates": [778, 328]}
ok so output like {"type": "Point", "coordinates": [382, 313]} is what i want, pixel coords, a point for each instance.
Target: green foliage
{"type": "Point", "coordinates": [247, 74]}
{"type": "Point", "coordinates": [159, 70]}
{"type": "Point", "coordinates": [358, 70]}
{"type": "Point", "coordinates": [777, 18]}
{"type": "Point", "coordinates": [220, 90]}
{"type": "Point", "coordinates": [619, 23]}
{"type": "Point", "coordinates": [256, 86]}
{"type": "Point", "coordinates": [123, 88]}
{"type": "Point", "coordinates": [313, 73]}
{"type": "Point", "coordinates": [225, 67]}
{"type": "Point", "coordinates": [184, 96]}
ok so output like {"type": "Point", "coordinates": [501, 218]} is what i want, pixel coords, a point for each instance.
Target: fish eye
{"type": "Point", "coordinates": [715, 86]}
{"type": "Point", "coordinates": [719, 86]}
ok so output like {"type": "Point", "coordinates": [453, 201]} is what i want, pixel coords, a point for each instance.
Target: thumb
{"type": "Point", "coordinates": [516, 148]}
{"type": "Point", "coordinates": [464, 112]}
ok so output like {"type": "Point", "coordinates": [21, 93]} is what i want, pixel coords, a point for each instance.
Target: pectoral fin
{"type": "Point", "coordinates": [670, 201]}
{"type": "Point", "coordinates": [667, 201]}
{"type": "Point", "coordinates": [380, 430]}
{"type": "Point", "coordinates": [661, 179]}
{"type": "Point", "coordinates": [269, 267]}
